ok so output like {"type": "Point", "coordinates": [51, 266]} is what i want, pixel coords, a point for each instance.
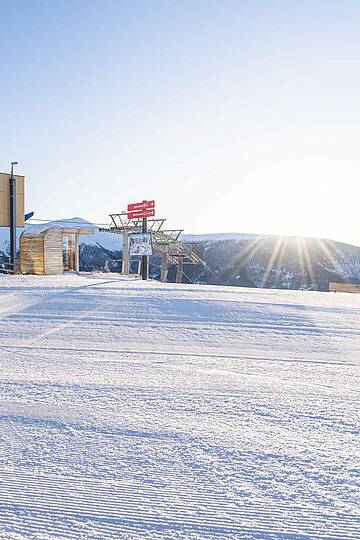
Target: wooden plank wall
{"type": "Point", "coordinates": [53, 252]}
{"type": "Point", "coordinates": [344, 287]}
{"type": "Point", "coordinates": [42, 254]}
{"type": "Point", "coordinates": [31, 255]}
{"type": "Point", "coordinates": [5, 202]}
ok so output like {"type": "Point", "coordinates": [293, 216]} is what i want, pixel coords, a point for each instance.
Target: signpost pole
{"type": "Point", "coordinates": [179, 270]}
{"type": "Point", "coordinates": [12, 191]}
{"type": "Point", "coordinates": [164, 266]}
{"type": "Point", "coordinates": [142, 210]}
{"type": "Point", "coordinates": [144, 259]}
{"type": "Point", "coordinates": [126, 258]}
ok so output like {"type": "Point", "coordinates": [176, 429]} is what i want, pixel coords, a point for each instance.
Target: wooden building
{"type": "Point", "coordinates": [51, 249]}
{"type": "Point", "coordinates": [5, 200]}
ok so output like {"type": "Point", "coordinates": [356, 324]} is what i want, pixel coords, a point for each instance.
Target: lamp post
{"type": "Point", "coordinates": [12, 190]}
{"type": "Point", "coordinates": [144, 258]}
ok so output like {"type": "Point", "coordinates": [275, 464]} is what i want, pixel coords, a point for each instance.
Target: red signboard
{"type": "Point", "coordinates": [144, 205]}
{"type": "Point", "coordinates": [141, 213]}
{"type": "Point", "coordinates": [141, 210]}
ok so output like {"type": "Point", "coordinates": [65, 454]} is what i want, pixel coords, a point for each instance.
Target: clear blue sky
{"type": "Point", "coordinates": [236, 116]}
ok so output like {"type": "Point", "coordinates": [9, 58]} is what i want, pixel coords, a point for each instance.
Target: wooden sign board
{"type": "Point", "coordinates": [5, 200]}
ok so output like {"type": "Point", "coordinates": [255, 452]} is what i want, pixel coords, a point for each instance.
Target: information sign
{"type": "Point", "coordinates": [140, 244]}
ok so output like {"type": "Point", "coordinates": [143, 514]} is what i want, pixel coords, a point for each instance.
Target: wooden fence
{"type": "Point", "coordinates": [344, 287]}
{"type": "Point", "coordinates": [7, 267]}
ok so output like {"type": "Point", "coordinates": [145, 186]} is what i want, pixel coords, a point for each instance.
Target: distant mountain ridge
{"type": "Point", "coordinates": [277, 262]}
{"type": "Point", "coordinates": [217, 236]}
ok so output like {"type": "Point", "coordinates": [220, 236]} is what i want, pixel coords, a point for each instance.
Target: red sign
{"type": "Point", "coordinates": [141, 210]}
{"type": "Point", "coordinates": [141, 213]}
{"type": "Point", "coordinates": [144, 205]}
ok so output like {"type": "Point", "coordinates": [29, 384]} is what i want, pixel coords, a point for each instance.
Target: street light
{"type": "Point", "coordinates": [12, 167]}
{"type": "Point", "coordinates": [12, 186]}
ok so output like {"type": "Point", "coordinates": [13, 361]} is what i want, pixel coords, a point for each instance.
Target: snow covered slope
{"type": "Point", "coordinates": [146, 411]}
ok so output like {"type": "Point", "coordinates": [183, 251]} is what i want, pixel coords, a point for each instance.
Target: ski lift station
{"type": "Point", "coordinates": [51, 248]}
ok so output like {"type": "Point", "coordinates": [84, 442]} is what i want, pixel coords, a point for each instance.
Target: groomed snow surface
{"type": "Point", "coordinates": [148, 411]}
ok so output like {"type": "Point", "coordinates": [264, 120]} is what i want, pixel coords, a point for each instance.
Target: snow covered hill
{"type": "Point", "coordinates": [277, 262]}
{"type": "Point", "coordinates": [133, 410]}
{"type": "Point", "coordinates": [214, 237]}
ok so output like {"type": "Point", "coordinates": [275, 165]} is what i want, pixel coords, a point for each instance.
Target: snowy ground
{"type": "Point", "coordinates": [138, 410]}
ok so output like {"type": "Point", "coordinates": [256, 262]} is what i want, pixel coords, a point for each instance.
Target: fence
{"type": "Point", "coordinates": [344, 287]}
{"type": "Point", "coordinates": [133, 264]}
{"type": "Point", "coordinates": [7, 267]}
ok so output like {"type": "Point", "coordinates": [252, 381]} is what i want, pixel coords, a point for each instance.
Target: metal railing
{"type": "Point", "coordinates": [8, 267]}
{"type": "Point", "coordinates": [136, 263]}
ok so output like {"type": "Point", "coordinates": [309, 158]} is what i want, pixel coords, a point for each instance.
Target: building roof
{"type": "Point", "coordinates": [68, 226]}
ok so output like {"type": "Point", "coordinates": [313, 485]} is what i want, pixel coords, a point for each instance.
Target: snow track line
{"type": "Point", "coordinates": [185, 354]}
{"type": "Point", "coordinates": [264, 327]}
{"type": "Point", "coordinates": [114, 526]}
{"type": "Point", "coordinates": [125, 510]}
